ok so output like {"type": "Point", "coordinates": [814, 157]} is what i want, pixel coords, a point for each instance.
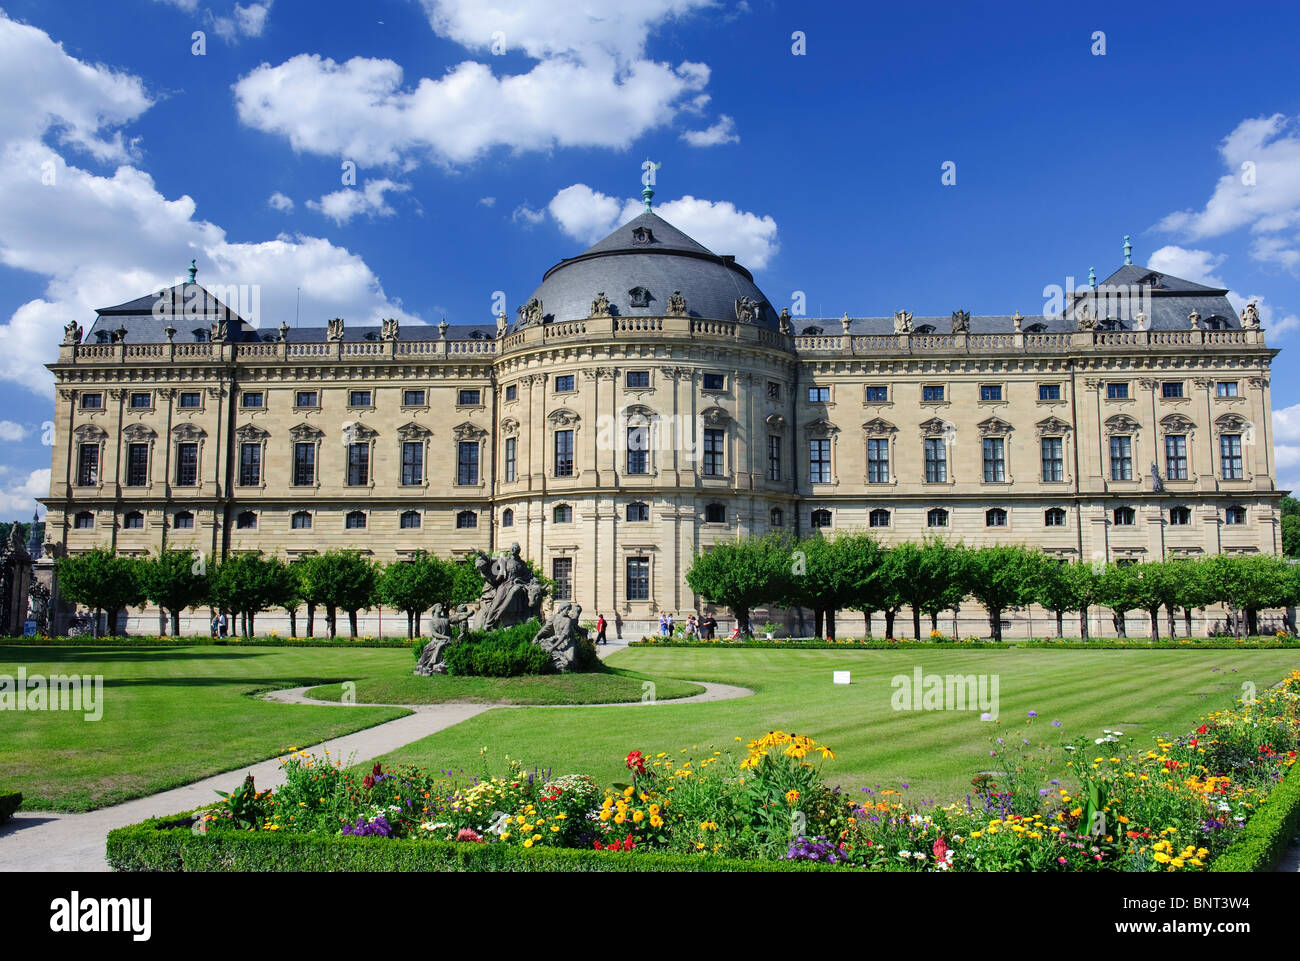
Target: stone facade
{"type": "Point", "coordinates": [1093, 443]}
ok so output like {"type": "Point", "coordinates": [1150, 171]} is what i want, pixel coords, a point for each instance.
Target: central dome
{"type": "Point", "coordinates": [639, 267]}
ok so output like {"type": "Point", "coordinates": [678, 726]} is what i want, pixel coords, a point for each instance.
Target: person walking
{"type": "Point", "coordinates": [663, 624]}
{"type": "Point", "coordinates": [669, 630]}
{"type": "Point", "coordinates": [600, 629]}
{"type": "Point", "coordinates": [222, 624]}
{"type": "Point", "coordinates": [215, 619]}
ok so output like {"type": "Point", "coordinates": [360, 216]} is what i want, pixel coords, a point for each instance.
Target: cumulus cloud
{"type": "Point", "coordinates": [588, 215]}
{"type": "Point", "coordinates": [1200, 266]}
{"type": "Point", "coordinates": [724, 131]}
{"type": "Point", "coordinates": [488, 202]}
{"type": "Point", "coordinates": [526, 215]}
{"type": "Point", "coordinates": [244, 21]}
{"type": "Point", "coordinates": [280, 202]}
{"type": "Point", "coordinates": [11, 431]}
{"type": "Point", "coordinates": [1286, 446]}
{"type": "Point", "coordinates": [342, 205]}
{"type": "Point", "coordinates": [19, 499]}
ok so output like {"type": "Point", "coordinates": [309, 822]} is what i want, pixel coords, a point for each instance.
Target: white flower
{"type": "Point", "coordinates": [986, 716]}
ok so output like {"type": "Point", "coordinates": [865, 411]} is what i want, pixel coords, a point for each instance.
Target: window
{"type": "Point", "coordinates": [563, 514]}
{"type": "Point", "coordinates": [133, 521]}
{"type": "Point", "coordinates": [638, 378]}
{"type": "Point", "coordinates": [467, 462]}
{"type": "Point", "coordinates": [1049, 391]}
{"type": "Point", "coordinates": [141, 399]}
{"type": "Point", "coordinates": [638, 454]}
{"type": "Point", "coordinates": [1171, 388]}
{"type": "Point", "coordinates": [1234, 515]}
{"type": "Point", "coordinates": [819, 395]}
{"type": "Point", "coordinates": [715, 514]}
{"type": "Point", "coordinates": [713, 452]}
{"type": "Point", "coordinates": [190, 399]}
{"type": "Point", "coordinates": [1176, 457]}
{"type": "Point", "coordinates": [932, 393]}
{"type": "Point", "coordinates": [246, 521]}
{"type": "Point", "coordinates": [773, 458]}
{"type": "Point", "coordinates": [878, 518]}
{"type": "Point", "coordinates": [92, 401]}
{"type": "Point", "coordinates": [306, 398]}
{"type": "Point", "coordinates": [564, 384]}
{"type": "Point", "coordinates": [1053, 455]}
{"type": "Point", "coordinates": [466, 520]}
{"type": "Point", "coordinates": [777, 517]}
{"type": "Point", "coordinates": [877, 460]}
{"type": "Point", "coordinates": [877, 395]}
{"type": "Point", "coordinates": [84, 520]}
{"type": "Point", "coordinates": [1226, 388]}
{"type": "Point", "coordinates": [819, 460]}
{"type": "Point", "coordinates": [1230, 457]}
{"type": "Point", "coordinates": [137, 465]}
{"type": "Point", "coordinates": [359, 464]}
{"type": "Point", "coordinates": [638, 578]}
{"type": "Point", "coordinates": [995, 517]}
{"type": "Point", "coordinates": [511, 459]}
{"type": "Point", "coordinates": [715, 382]}
{"type": "Point", "coordinates": [251, 398]}
{"type": "Point", "coordinates": [187, 464]}
{"type": "Point", "coordinates": [990, 391]}
{"type": "Point", "coordinates": [1121, 458]}
{"type": "Point", "coordinates": [1054, 517]}
{"type": "Point", "coordinates": [507, 518]}
{"type": "Point", "coordinates": [564, 453]}
{"type": "Point", "coordinates": [773, 390]}
{"type": "Point", "coordinates": [1124, 517]}
{"type": "Point", "coordinates": [820, 518]}
{"type": "Point", "coordinates": [413, 462]}
{"type": "Point", "coordinates": [995, 460]}
{"type": "Point", "coordinates": [512, 392]}
{"type": "Point", "coordinates": [300, 521]}
{"type": "Point", "coordinates": [636, 511]}
{"type": "Point", "coordinates": [936, 517]}
{"type": "Point", "coordinates": [304, 464]}
{"type": "Point", "coordinates": [413, 398]}
{"type": "Point", "coordinates": [1179, 516]}
{"type": "Point", "coordinates": [250, 464]}
{"type": "Point", "coordinates": [358, 398]}
{"type": "Point", "coordinates": [936, 460]}
{"type": "Point", "coordinates": [562, 574]}
{"type": "Point", "coordinates": [1117, 390]}
{"type": "Point", "coordinates": [355, 520]}
{"type": "Point", "coordinates": [88, 465]}
{"type": "Point", "coordinates": [183, 521]}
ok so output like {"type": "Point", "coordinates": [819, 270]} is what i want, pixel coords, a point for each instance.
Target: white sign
{"type": "Point", "coordinates": [841, 677]}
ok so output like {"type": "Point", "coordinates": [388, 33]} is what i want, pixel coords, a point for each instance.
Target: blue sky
{"type": "Point", "coordinates": [478, 168]}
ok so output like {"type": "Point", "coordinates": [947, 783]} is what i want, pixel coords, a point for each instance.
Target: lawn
{"type": "Point", "coordinates": [935, 752]}
{"type": "Point", "coordinates": [606, 687]}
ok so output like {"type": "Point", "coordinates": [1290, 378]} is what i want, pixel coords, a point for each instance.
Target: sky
{"type": "Point", "coordinates": [420, 159]}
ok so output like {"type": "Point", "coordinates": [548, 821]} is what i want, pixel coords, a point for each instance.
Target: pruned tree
{"type": "Point", "coordinates": [102, 581]}
{"type": "Point", "coordinates": [248, 583]}
{"type": "Point", "coordinates": [414, 586]}
{"type": "Point", "coordinates": [742, 574]}
{"type": "Point", "coordinates": [1000, 578]}
{"type": "Point", "coordinates": [337, 580]}
{"type": "Point", "coordinates": [174, 581]}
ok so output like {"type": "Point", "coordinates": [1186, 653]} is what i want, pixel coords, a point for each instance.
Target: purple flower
{"type": "Point", "coordinates": [1033, 714]}
{"type": "Point", "coordinates": [1056, 722]}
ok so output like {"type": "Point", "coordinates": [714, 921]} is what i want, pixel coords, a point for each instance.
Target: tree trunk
{"type": "Point", "coordinates": [1187, 620]}
{"type": "Point", "coordinates": [1173, 631]}
{"type": "Point", "coordinates": [293, 622]}
{"type": "Point", "coordinates": [352, 623]}
{"type": "Point", "coordinates": [866, 616]}
{"type": "Point", "coordinates": [252, 623]}
{"type": "Point", "coordinates": [995, 622]}
{"type": "Point", "coordinates": [1060, 623]}
{"type": "Point", "coordinates": [830, 623]}
{"type": "Point", "coordinates": [331, 620]}
{"type": "Point", "coordinates": [1252, 622]}
{"type": "Point", "coordinates": [417, 623]}
{"type": "Point", "coordinates": [1120, 626]}
{"type": "Point", "coordinates": [916, 622]}
{"type": "Point", "coordinates": [311, 619]}
{"type": "Point", "coordinates": [410, 625]}
{"type": "Point", "coordinates": [176, 623]}
{"type": "Point", "coordinates": [1083, 622]}
{"type": "Point", "coordinates": [742, 620]}
{"type": "Point", "coordinates": [1155, 623]}
{"type": "Point", "coordinates": [819, 623]}
{"type": "Point", "coordinates": [889, 624]}
{"type": "Point", "coordinates": [934, 621]}
{"type": "Point", "coordinates": [112, 623]}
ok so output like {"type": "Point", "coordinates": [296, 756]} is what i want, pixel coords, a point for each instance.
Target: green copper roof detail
{"type": "Point", "coordinates": [1128, 251]}
{"type": "Point", "coordinates": [194, 271]}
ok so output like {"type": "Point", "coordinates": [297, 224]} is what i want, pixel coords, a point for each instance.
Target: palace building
{"type": "Point", "coordinates": [648, 400]}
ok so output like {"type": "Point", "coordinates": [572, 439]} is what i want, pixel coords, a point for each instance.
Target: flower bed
{"type": "Point", "coordinates": [9, 803]}
{"type": "Point", "coordinates": [1090, 804]}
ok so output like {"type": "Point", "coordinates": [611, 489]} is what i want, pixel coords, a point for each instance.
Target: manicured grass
{"type": "Point", "coordinates": [170, 716]}
{"type": "Point", "coordinates": [936, 752]}
{"type": "Point", "coordinates": [611, 686]}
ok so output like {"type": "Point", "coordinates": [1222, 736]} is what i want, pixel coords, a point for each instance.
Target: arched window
{"type": "Point", "coordinates": [184, 520]}
{"type": "Point", "coordinates": [133, 520]}
{"type": "Point", "coordinates": [563, 514]}
{"type": "Point", "coordinates": [84, 520]}
{"type": "Point", "coordinates": [715, 514]}
{"type": "Point", "coordinates": [1234, 515]}
{"type": "Point", "coordinates": [1124, 517]}
{"type": "Point", "coordinates": [409, 520]}
{"type": "Point", "coordinates": [820, 518]}
{"type": "Point", "coordinates": [300, 521]}
{"type": "Point", "coordinates": [1054, 517]}
{"type": "Point", "coordinates": [924, 329]}
{"type": "Point", "coordinates": [355, 520]}
{"type": "Point", "coordinates": [936, 517]}
{"type": "Point", "coordinates": [507, 518]}
{"type": "Point", "coordinates": [246, 521]}
{"type": "Point", "coordinates": [1036, 329]}
{"type": "Point", "coordinates": [637, 511]}
{"type": "Point", "coordinates": [878, 518]}
{"type": "Point", "coordinates": [995, 517]}
{"type": "Point", "coordinates": [466, 520]}
{"type": "Point", "coordinates": [777, 517]}
{"type": "Point", "coordinates": [1180, 516]}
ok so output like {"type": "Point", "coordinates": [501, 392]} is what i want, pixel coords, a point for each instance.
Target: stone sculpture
{"type": "Point", "coordinates": [1250, 316]}
{"type": "Point", "coordinates": [677, 304]}
{"type": "Point", "coordinates": [560, 637]}
{"type": "Point", "coordinates": [334, 328]}
{"type": "Point", "coordinates": [961, 322]}
{"type": "Point", "coordinates": [71, 334]}
{"type": "Point", "coordinates": [530, 313]}
{"type": "Point", "coordinates": [902, 322]}
{"type": "Point", "coordinates": [747, 310]}
{"type": "Point", "coordinates": [511, 593]}
{"type": "Point", "coordinates": [600, 306]}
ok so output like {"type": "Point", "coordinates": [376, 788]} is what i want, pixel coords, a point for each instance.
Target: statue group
{"type": "Point", "coordinates": [511, 595]}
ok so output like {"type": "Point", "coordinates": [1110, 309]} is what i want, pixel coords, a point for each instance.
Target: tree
{"type": "Point", "coordinates": [927, 577]}
{"type": "Point", "coordinates": [339, 579]}
{"type": "Point", "coordinates": [1085, 580]}
{"type": "Point", "coordinates": [828, 575]}
{"type": "Point", "coordinates": [248, 583]}
{"type": "Point", "coordinates": [413, 586]}
{"type": "Point", "coordinates": [1117, 588]}
{"type": "Point", "coordinates": [742, 574]}
{"type": "Point", "coordinates": [101, 580]}
{"type": "Point", "coordinates": [1156, 586]}
{"type": "Point", "coordinates": [949, 564]}
{"type": "Point", "coordinates": [1001, 579]}
{"type": "Point", "coordinates": [1055, 588]}
{"type": "Point", "coordinates": [174, 581]}
{"type": "Point", "coordinates": [1249, 585]}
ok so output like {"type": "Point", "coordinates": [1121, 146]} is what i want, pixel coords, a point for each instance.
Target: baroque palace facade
{"type": "Point", "coordinates": [647, 401]}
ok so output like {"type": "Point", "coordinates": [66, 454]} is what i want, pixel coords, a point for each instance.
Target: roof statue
{"type": "Point", "coordinates": [1015, 322]}
{"type": "Point", "coordinates": [677, 304]}
{"type": "Point", "coordinates": [1194, 318]}
{"type": "Point", "coordinates": [389, 329]}
{"type": "Point", "coordinates": [71, 334]}
{"type": "Point", "coordinates": [530, 313]}
{"type": "Point", "coordinates": [501, 323]}
{"type": "Point", "coordinates": [747, 310]}
{"type": "Point", "coordinates": [961, 321]}
{"type": "Point", "coordinates": [1250, 316]}
{"type": "Point", "coordinates": [1086, 320]}
{"type": "Point", "coordinates": [785, 321]}
{"type": "Point", "coordinates": [334, 328]}
{"type": "Point", "coordinates": [902, 322]}
{"type": "Point", "coordinates": [600, 306]}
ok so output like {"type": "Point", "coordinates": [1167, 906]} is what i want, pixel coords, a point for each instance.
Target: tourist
{"type": "Point", "coordinates": [663, 624]}
{"type": "Point", "coordinates": [707, 626]}
{"type": "Point", "coordinates": [690, 625]}
{"type": "Point", "coordinates": [215, 620]}
{"type": "Point", "coordinates": [669, 629]}
{"type": "Point", "coordinates": [222, 624]}
{"type": "Point", "coordinates": [601, 624]}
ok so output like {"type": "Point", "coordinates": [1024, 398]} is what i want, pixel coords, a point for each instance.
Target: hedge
{"type": "Point", "coordinates": [817, 644]}
{"type": "Point", "coordinates": [1176, 644]}
{"type": "Point", "coordinates": [1268, 832]}
{"type": "Point", "coordinates": [1101, 644]}
{"type": "Point", "coordinates": [9, 801]}
{"type": "Point", "coordinates": [168, 844]}
{"type": "Point", "coordinates": [202, 640]}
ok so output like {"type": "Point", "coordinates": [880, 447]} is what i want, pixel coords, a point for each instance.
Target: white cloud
{"type": "Point", "coordinates": [526, 215]}
{"type": "Point", "coordinates": [280, 202]}
{"type": "Point", "coordinates": [1286, 446]}
{"type": "Point", "coordinates": [11, 431]}
{"type": "Point", "coordinates": [1199, 266]}
{"type": "Point", "coordinates": [244, 21]}
{"type": "Point", "coordinates": [588, 215]}
{"type": "Point", "coordinates": [488, 202]}
{"type": "Point", "coordinates": [19, 500]}
{"type": "Point", "coordinates": [342, 205]}
{"type": "Point", "coordinates": [721, 132]}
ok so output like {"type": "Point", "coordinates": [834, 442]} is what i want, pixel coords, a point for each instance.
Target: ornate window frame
{"type": "Point", "coordinates": [1052, 427]}
{"type": "Point", "coordinates": [639, 416]}
{"type": "Point", "coordinates": [715, 418]}
{"type": "Point", "coordinates": [1176, 425]}
{"type": "Point", "coordinates": [139, 434]}
{"type": "Point", "coordinates": [87, 435]}
{"type": "Point", "coordinates": [413, 433]}
{"type": "Point", "coordinates": [995, 428]}
{"type": "Point", "coordinates": [188, 433]}
{"type": "Point", "coordinates": [468, 433]}
{"type": "Point", "coordinates": [938, 427]}
{"type": "Point", "coordinates": [1122, 425]}
{"type": "Point", "coordinates": [875, 429]}
{"type": "Point", "coordinates": [251, 434]}
{"type": "Point", "coordinates": [560, 420]}
{"type": "Point", "coordinates": [1231, 424]}
{"type": "Point", "coordinates": [305, 433]}
{"type": "Point", "coordinates": [355, 432]}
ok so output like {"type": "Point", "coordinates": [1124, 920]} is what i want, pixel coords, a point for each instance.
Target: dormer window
{"type": "Point", "coordinates": [200, 335]}
{"type": "Point", "coordinates": [642, 236]}
{"type": "Point", "coordinates": [1151, 280]}
{"type": "Point", "coordinates": [924, 329]}
{"type": "Point", "coordinates": [812, 330]}
{"type": "Point", "coordinates": [639, 297]}
{"type": "Point", "coordinates": [1036, 329]}
{"type": "Point", "coordinates": [1215, 323]}
{"type": "Point", "coordinates": [101, 336]}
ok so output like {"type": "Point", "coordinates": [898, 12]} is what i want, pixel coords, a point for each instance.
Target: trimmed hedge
{"type": "Point", "coordinates": [818, 644]}
{"type": "Point", "coordinates": [9, 802]}
{"type": "Point", "coordinates": [1268, 832]}
{"type": "Point", "coordinates": [168, 844]}
{"type": "Point", "coordinates": [1103, 644]}
{"type": "Point", "coordinates": [202, 640]}
{"type": "Point", "coordinates": [1177, 644]}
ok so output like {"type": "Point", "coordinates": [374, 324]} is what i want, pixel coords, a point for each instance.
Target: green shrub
{"type": "Point", "coordinates": [9, 802]}
{"type": "Point", "coordinates": [1268, 832]}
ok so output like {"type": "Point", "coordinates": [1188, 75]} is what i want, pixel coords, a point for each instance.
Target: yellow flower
{"type": "Point", "coordinates": [528, 843]}
{"type": "Point", "coordinates": [791, 797]}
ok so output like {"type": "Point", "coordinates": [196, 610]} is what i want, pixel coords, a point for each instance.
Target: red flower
{"type": "Point", "coordinates": [1193, 742]}
{"type": "Point", "coordinates": [636, 762]}
{"type": "Point", "coordinates": [940, 850]}
{"type": "Point", "coordinates": [1202, 729]}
